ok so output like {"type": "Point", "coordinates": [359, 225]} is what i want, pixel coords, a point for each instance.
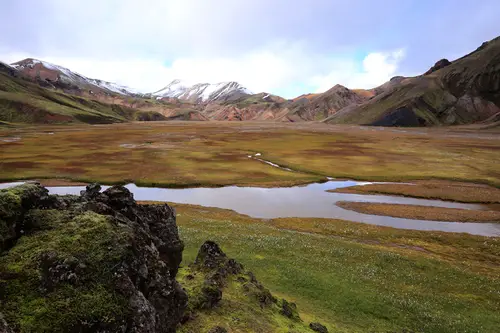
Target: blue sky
{"type": "Point", "coordinates": [282, 47]}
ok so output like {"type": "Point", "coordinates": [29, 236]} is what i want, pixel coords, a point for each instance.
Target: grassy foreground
{"type": "Point", "coordinates": [360, 278]}
{"type": "Point", "coordinates": [215, 153]}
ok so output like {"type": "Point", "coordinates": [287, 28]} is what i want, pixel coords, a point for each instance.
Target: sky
{"type": "Point", "coordinates": [283, 47]}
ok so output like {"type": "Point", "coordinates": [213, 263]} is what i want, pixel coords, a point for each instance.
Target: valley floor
{"type": "Point", "coordinates": [183, 154]}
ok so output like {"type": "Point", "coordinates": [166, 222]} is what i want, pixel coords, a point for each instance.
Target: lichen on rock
{"type": "Point", "coordinates": [91, 263]}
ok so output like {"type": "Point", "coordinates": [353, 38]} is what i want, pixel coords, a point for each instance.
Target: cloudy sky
{"type": "Point", "coordinates": [286, 47]}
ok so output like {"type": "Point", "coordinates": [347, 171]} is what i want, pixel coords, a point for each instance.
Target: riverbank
{"type": "Point", "coordinates": [310, 201]}
{"type": "Point", "coordinates": [432, 189]}
{"type": "Point", "coordinates": [416, 212]}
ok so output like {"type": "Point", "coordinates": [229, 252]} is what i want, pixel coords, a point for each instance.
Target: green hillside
{"type": "Point", "coordinates": [22, 101]}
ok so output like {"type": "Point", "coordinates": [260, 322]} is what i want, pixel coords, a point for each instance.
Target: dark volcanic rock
{"type": "Point", "coordinates": [100, 248]}
{"type": "Point", "coordinates": [211, 294]}
{"type": "Point", "coordinates": [402, 117]}
{"type": "Point", "coordinates": [91, 191]}
{"type": "Point", "coordinates": [317, 327]}
{"type": "Point", "coordinates": [217, 329]}
{"type": "Point", "coordinates": [289, 310]}
{"type": "Point", "coordinates": [210, 256]}
{"type": "Point", "coordinates": [217, 268]}
{"type": "Point", "coordinates": [438, 65]}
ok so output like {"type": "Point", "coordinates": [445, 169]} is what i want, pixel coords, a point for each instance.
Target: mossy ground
{"type": "Point", "coordinates": [215, 153]}
{"type": "Point", "coordinates": [237, 311]}
{"type": "Point", "coordinates": [355, 277]}
{"type": "Point", "coordinates": [89, 239]}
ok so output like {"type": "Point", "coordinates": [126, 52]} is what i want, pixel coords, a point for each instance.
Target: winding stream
{"type": "Point", "coordinates": [300, 201]}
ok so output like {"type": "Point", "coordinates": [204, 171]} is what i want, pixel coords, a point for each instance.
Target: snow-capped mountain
{"type": "Point", "coordinates": [203, 92]}
{"type": "Point", "coordinates": [46, 71]}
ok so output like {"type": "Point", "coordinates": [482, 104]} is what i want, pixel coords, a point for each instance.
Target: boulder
{"type": "Point", "coordinates": [210, 256]}
{"type": "Point", "coordinates": [103, 249]}
{"type": "Point", "coordinates": [217, 329]}
{"type": "Point", "coordinates": [289, 309]}
{"type": "Point", "coordinates": [438, 65]}
{"type": "Point", "coordinates": [317, 327]}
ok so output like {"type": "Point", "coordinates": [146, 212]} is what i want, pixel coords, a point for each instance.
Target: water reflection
{"type": "Point", "coordinates": [302, 201]}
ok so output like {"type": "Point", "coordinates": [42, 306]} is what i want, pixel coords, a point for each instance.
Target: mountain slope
{"type": "Point", "coordinates": [61, 77]}
{"type": "Point", "coordinates": [464, 91]}
{"type": "Point", "coordinates": [320, 106]}
{"type": "Point", "coordinates": [203, 92]}
{"type": "Point", "coordinates": [22, 101]}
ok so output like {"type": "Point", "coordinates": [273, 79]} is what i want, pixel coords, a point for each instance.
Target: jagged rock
{"type": "Point", "coordinates": [213, 275]}
{"type": "Point", "coordinates": [217, 267]}
{"type": "Point", "coordinates": [233, 267]}
{"type": "Point", "coordinates": [438, 65]}
{"type": "Point", "coordinates": [119, 197]}
{"type": "Point", "coordinates": [217, 329]}
{"type": "Point", "coordinates": [211, 295]}
{"type": "Point", "coordinates": [258, 292]}
{"type": "Point", "coordinates": [289, 310]}
{"type": "Point", "coordinates": [317, 327]}
{"type": "Point", "coordinates": [91, 191]}
{"type": "Point", "coordinates": [210, 256]}
{"type": "Point", "coordinates": [119, 257]}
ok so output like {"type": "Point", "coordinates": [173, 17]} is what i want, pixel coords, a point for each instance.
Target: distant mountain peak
{"type": "Point", "coordinates": [46, 71]}
{"type": "Point", "coordinates": [203, 92]}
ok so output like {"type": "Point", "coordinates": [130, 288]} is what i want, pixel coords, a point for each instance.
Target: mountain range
{"type": "Point", "coordinates": [463, 91]}
{"type": "Point", "coordinates": [203, 92]}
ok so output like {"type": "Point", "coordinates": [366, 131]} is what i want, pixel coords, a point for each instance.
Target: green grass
{"type": "Point", "coordinates": [25, 102]}
{"type": "Point", "coordinates": [238, 311]}
{"type": "Point", "coordinates": [360, 278]}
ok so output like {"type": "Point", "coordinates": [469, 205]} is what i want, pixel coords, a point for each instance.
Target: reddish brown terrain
{"type": "Point", "coordinates": [464, 91]}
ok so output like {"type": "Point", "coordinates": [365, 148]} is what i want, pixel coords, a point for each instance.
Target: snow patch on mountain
{"type": "Point", "coordinates": [6, 64]}
{"type": "Point", "coordinates": [174, 89]}
{"type": "Point", "coordinates": [68, 76]}
{"type": "Point", "coordinates": [202, 92]}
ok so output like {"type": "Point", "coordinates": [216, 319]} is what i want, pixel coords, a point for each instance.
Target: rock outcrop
{"type": "Point", "coordinates": [215, 281]}
{"type": "Point", "coordinates": [438, 65]}
{"type": "Point", "coordinates": [99, 262]}
{"type": "Point", "coordinates": [317, 327]}
{"type": "Point", "coordinates": [91, 263]}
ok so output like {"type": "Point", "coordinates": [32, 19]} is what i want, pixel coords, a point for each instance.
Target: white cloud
{"type": "Point", "coordinates": [377, 68]}
{"type": "Point", "coordinates": [279, 67]}
{"type": "Point", "coordinates": [303, 48]}
{"type": "Point", "coordinates": [266, 69]}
